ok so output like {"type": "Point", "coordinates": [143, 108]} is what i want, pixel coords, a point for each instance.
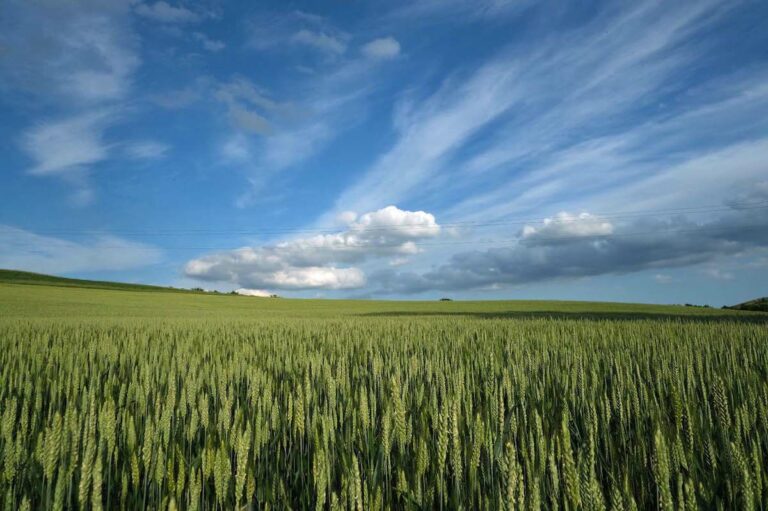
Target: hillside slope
{"type": "Point", "coordinates": [26, 277]}
{"type": "Point", "coordinates": [758, 304]}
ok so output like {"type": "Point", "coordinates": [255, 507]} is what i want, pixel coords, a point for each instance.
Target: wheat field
{"type": "Point", "coordinates": [381, 411]}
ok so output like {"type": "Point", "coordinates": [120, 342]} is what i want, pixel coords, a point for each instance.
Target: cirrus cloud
{"type": "Point", "coordinates": [63, 145]}
{"type": "Point", "coordinates": [164, 12]}
{"type": "Point", "coordinates": [321, 41]}
{"type": "Point", "coordinates": [25, 250]}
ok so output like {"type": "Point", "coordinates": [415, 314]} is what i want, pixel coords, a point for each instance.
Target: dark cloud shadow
{"type": "Point", "coordinates": [752, 318]}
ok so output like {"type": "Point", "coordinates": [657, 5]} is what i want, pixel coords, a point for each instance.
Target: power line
{"type": "Point", "coordinates": [502, 241]}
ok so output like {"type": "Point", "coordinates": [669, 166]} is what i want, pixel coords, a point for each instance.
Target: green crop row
{"type": "Point", "coordinates": [372, 413]}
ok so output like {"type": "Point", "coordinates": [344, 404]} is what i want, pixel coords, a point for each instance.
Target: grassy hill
{"type": "Point", "coordinates": [759, 304]}
{"type": "Point", "coordinates": [26, 277]}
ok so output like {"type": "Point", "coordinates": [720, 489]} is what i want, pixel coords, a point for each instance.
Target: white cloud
{"type": "Point", "coordinates": [313, 262]}
{"type": "Point", "coordinates": [321, 41]}
{"type": "Point", "coordinates": [25, 250]}
{"type": "Point", "coordinates": [382, 48]}
{"type": "Point", "coordinates": [253, 292]}
{"type": "Point", "coordinates": [163, 12]}
{"type": "Point", "coordinates": [396, 223]}
{"type": "Point", "coordinates": [315, 277]}
{"type": "Point", "coordinates": [65, 145]}
{"type": "Point", "coordinates": [147, 150]}
{"type": "Point", "coordinates": [212, 45]}
{"type": "Point", "coordinates": [662, 278]}
{"type": "Point", "coordinates": [565, 225]}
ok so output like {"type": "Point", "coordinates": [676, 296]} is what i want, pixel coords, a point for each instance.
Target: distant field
{"type": "Point", "coordinates": [40, 300]}
{"type": "Point", "coordinates": [135, 399]}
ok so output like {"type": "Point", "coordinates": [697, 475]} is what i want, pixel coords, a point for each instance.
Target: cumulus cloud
{"type": "Point", "coordinates": [63, 145]}
{"type": "Point", "coordinates": [163, 12]}
{"type": "Point", "coordinates": [382, 48]}
{"type": "Point", "coordinates": [591, 247]}
{"type": "Point", "coordinates": [253, 292]}
{"type": "Point", "coordinates": [324, 42]}
{"type": "Point", "coordinates": [24, 250]}
{"type": "Point", "coordinates": [314, 262]}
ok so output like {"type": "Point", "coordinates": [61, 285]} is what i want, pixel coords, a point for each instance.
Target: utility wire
{"type": "Point", "coordinates": [531, 241]}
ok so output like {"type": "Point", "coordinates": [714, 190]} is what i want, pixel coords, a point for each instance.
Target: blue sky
{"type": "Point", "coordinates": [472, 149]}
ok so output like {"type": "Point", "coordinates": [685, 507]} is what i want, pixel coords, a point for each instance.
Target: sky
{"type": "Point", "coordinates": [472, 149]}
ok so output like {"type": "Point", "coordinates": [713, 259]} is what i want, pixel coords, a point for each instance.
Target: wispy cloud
{"type": "Point", "coordinates": [24, 250]}
{"type": "Point", "coordinates": [279, 31]}
{"type": "Point", "coordinates": [164, 12]}
{"type": "Point", "coordinates": [293, 131]}
{"type": "Point", "coordinates": [147, 150]}
{"type": "Point", "coordinates": [249, 107]}
{"type": "Point", "coordinates": [67, 145]}
{"type": "Point", "coordinates": [78, 61]}
{"type": "Point", "coordinates": [321, 41]}
{"type": "Point", "coordinates": [209, 44]}
{"type": "Point", "coordinates": [514, 117]}
{"type": "Point", "coordinates": [63, 52]}
{"type": "Point", "coordinates": [456, 11]}
{"type": "Point", "coordinates": [440, 125]}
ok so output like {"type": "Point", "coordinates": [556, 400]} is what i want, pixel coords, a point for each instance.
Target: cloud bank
{"type": "Point", "coordinates": [321, 261]}
{"type": "Point", "coordinates": [575, 246]}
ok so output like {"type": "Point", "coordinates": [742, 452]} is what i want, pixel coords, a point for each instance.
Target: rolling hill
{"type": "Point", "coordinates": [25, 277]}
{"type": "Point", "coordinates": [758, 304]}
